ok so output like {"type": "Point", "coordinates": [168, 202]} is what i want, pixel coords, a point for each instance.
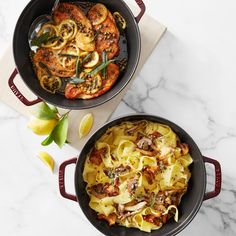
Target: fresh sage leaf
{"type": "Point", "coordinates": [96, 34]}
{"type": "Point", "coordinates": [78, 67]}
{"type": "Point", "coordinates": [100, 67]}
{"type": "Point", "coordinates": [104, 60]}
{"type": "Point", "coordinates": [52, 38]}
{"type": "Point", "coordinates": [38, 41]}
{"type": "Point", "coordinates": [76, 80]}
{"type": "Point", "coordinates": [45, 68]}
{"type": "Point", "coordinates": [44, 112]}
{"type": "Point", "coordinates": [87, 58]}
{"type": "Point", "coordinates": [59, 133]}
{"type": "Point", "coordinates": [47, 141]}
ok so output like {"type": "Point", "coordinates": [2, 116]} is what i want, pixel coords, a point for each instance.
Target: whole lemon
{"type": "Point", "coordinates": [42, 127]}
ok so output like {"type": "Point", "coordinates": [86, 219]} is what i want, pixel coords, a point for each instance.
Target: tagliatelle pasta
{"type": "Point", "coordinates": [136, 175]}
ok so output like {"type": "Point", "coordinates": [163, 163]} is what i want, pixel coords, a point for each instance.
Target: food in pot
{"type": "Point", "coordinates": [136, 175]}
{"type": "Point", "coordinates": [78, 54]}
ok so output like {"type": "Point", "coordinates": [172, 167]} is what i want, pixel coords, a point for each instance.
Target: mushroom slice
{"type": "Point", "coordinates": [136, 207]}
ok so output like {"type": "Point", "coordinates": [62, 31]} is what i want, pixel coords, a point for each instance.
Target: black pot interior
{"type": "Point", "coordinates": [21, 53]}
{"type": "Point", "coordinates": [190, 203]}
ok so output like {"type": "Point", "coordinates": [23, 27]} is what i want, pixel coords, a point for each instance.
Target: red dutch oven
{"type": "Point", "coordinates": [191, 201]}
{"type": "Point", "coordinates": [24, 66]}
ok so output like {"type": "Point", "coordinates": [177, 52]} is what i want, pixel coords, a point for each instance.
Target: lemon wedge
{"type": "Point", "coordinates": [47, 159]}
{"type": "Point", "coordinates": [41, 127]}
{"type": "Point", "coordinates": [85, 125]}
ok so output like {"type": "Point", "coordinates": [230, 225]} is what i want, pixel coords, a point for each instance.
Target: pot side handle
{"type": "Point", "coordinates": [61, 179]}
{"type": "Point", "coordinates": [18, 94]}
{"type": "Point", "coordinates": [143, 9]}
{"type": "Point", "coordinates": [218, 178]}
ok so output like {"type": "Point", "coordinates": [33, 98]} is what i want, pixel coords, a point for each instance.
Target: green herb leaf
{"type": "Point", "coordinates": [59, 133]}
{"type": "Point", "coordinates": [47, 141]}
{"type": "Point", "coordinates": [104, 60]}
{"type": "Point", "coordinates": [96, 34]}
{"type": "Point", "coordinates": [38, 41]}
{"type": "Point", "coordinates": [86, 58]}
{"type": "Point", "coordinates": [76, 80]}
{"type": "Point", "coordinates": [78, 67]}
{"type": "Point", "coordinates": [52, 38]}
{"type": "Point", "coordinates": [44, 112]}
{"type": "Point", "coordinates": [45, 68]}
{"type": "Point", "coordinates": [100, 67]}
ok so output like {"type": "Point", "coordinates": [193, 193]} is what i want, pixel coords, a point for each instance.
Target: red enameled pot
{"type": "Point", "coordinates": [191, 201]}
{"type": "Point", "coordinates": [24, 66]}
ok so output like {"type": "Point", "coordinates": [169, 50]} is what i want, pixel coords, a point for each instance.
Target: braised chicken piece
{"type": "Point", "coordinates": [107, 33]}
{"type": "Point", "coordinates": [52, 61]}
{"type": "Point", "coordinates": [92, 87]}
{"type": "Point", "coordinates": [85, 35]}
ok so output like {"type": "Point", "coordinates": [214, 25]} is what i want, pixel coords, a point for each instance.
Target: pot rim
{"type": "Point", "coordinates": [81, 159]}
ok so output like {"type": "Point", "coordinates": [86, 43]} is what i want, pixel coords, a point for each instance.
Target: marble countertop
{"type": "Point", "coordinates": [189, 79]}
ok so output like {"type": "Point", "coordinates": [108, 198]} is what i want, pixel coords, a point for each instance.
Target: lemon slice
{"type": "Point", "coordinates": [60, 43]}
{"type": "Point", "coordinates": [48, 28]}
{"type": "Point", "coordinates": [67, 29]}
{"type": "Point", "coordinates": [50, 83]}
{"type": "Point", "coordinates": [41, 127]}
{"type": "Point", "coordinates": [93, 61]}
{"type": "Point", "coordinates": [85, 125]}
{"type": "Point", "coordinates": [47, 159]}
{"type": "Point", "coordinates": [120, 19]}
{"type": "Point", "coordinates": [97, 14]}
{"type": "Point", "coordinates": [88, 47]}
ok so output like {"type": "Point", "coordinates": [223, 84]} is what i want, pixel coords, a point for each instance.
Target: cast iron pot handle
{"type": "Point", "coordinates": [217, 190]}
{"type": "Point", "coordinates": [17, 93]}
{"type": "Point", "coordinates": [62, 179]}
{"type": "Point", "coordinates": [143, 9]}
